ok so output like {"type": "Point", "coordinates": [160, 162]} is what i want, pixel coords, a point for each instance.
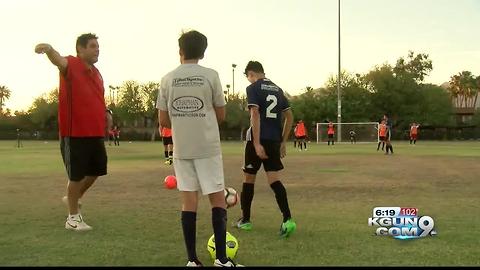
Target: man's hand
{"type": "Point", "coordinates": [260, 151]}
{"type": "Point", "coordinates": [283, 150]}
{"type": "Point", "coordinates": [43, 48]}
{"type": "Point", "coordinates": [54, 56]}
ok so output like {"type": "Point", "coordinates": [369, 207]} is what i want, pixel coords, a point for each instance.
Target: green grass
{"type": "Point", "coordinates": [331, 190]}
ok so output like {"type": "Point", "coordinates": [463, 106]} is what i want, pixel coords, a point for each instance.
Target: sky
{"type": "Point", "coordinates": [295, 40]}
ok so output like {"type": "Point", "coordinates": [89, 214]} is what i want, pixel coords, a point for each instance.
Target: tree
{"type": "Point", "coordinates": [314, 105]}
{"type": "Point", "coordinates": [237, 116]}
{"type": "Point", "coordinates": [436, 107]}
{"type": "Point", "coordinates": [4, 95]}
{"type": "Point", "coordinates": [464, 88]}
{"type": "Point", "coordinates": [131, 106]}
{"type": "Point", "coordinates": [415, 67]}
{"type": "Point", "coordinates": [356, 99]}
{"type": "Point", "coordinates": [150, 93]}
{"type": "Point", "coordinates": [44, 111]}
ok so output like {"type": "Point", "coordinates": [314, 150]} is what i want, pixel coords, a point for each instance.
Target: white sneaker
{"type": "Point", "coordinates": [229, 263]}
{"type": "Point", "coordinates": [194, 264]}
{"type": "Point", "coordinates": [65, 201]}
{"type": "Point", "coordinates": [76, 225]}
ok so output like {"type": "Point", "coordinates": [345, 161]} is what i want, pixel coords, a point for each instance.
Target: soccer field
{"type": "Point", "coordinates": [331, 191]}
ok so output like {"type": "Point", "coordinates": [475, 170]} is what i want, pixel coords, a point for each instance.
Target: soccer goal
{"type": "Point", "coordinates": [364, 132]}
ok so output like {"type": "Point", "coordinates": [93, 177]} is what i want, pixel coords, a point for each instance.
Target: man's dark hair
{"type": "Point", "coordinates": [193, 44]}
{"type": "Point", "coordinates": [83, 40]}
{"type": "Point", "coordinates": [254, 66]}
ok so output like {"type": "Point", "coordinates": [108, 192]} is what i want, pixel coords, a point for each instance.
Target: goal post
{"type": "Point", "coordinates": [364, 132]}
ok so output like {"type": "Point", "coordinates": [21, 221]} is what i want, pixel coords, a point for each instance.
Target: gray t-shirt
{"type": "Point", "coordinates": [189, 93]}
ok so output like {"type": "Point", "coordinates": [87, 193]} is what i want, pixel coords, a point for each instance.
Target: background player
{"type": "Point", "coordinates": [166, 134]}
{"type": "Point", "coordinates": [382, 134]}
{"type": "Point", "coordinates": [116, 135]}
{"type": "Point", "coordinates": [331, 133]}
{"type": "Point", "coordinates": [301, 135]}
{"type": "Point", "coordinates": [353, 136]}
{"type": "Point", "coordinates": [414, 133]}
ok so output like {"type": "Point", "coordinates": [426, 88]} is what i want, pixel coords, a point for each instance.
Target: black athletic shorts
{"type": "Point", "coordinates": [330, 136]}
{"type": "Point", "coordinates": [84, 157]}
{"type": "Point", "coordinates": [167, 140]}
{"type": "Point", "coordinates": [382, 138]}
{"type": "Point", "coordinates": [300, 137]}
{"type": "Point", "coordinates": [253, 162]}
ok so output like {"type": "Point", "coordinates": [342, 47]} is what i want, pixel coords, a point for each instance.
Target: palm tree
{"type": "Point", "coordinates": [455, 88]}
{"type": "Point", "coordinates": [464, 87]}
{"type": "Point", "coordinates": [4, 95]}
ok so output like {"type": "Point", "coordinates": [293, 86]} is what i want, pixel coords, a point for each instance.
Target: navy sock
{"type": "Point", "coordinates": [281, 197]}
{"type": "Point", "coordinates": [246, 198]}
{"type": "Point", "coordinates": [219, 222]}
{"type": "Point", "coordinates": [189, 226]}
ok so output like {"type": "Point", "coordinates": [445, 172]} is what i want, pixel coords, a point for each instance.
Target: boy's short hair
{"type": "Point", "coordinates": [254, 66]}
{"type": "Point", "coordinates": [193, 44]}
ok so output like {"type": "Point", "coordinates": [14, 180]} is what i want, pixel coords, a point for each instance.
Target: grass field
{"type": "Point", "coordinates": [332, 191]}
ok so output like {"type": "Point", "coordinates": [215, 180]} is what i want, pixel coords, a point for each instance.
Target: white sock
{"type": "Point", "coordinates": [76, 217]}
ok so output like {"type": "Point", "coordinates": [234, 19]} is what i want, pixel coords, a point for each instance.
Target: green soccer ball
{"type": "Point", "coordinates": [231, 243]}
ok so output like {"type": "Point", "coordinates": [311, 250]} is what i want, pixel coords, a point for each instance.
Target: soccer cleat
{"type": "Point", "coordinates": [168, 161]}
{"type": "Point", "coordinates": [195, 263]}
{"type": "Point", "coordinates": [243, 225]}
{"type": "Point", "coordinates": [76, 225]}
{"type": "Point", "coordinates": [65, 201]}
{"type": "Point", "coordinates": [229, 263]}
{"type": "Point", "coordinates": [287, 228]}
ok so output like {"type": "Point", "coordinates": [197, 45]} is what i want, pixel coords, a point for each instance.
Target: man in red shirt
{"type": "Point", "coordinates": [81, 119]}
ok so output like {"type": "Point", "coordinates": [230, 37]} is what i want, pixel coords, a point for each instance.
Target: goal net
{"type": "Point", "coordinates": [363, 132]}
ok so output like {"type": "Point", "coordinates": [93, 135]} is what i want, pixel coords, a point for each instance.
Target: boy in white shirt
{"type": "Point", "coordinates": [192, 103]}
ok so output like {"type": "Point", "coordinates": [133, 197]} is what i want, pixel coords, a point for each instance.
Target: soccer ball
{"type": "Point", "coordinates": [170, 182]}
{"type": "Point", "coordinates": [231, 197]}
{"type": "Point", "coordinates": [231, 245]}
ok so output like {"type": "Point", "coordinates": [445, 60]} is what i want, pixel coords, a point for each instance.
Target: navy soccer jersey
{"type": "Point", "coordinates": [271, 102]}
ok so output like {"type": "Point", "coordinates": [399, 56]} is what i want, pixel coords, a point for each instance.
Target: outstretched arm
{"type": "Point", "coordinates": [56, 59]}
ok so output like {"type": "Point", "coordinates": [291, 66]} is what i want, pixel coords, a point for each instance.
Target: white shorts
{"type": "Point", "coordinates": [203, 173]}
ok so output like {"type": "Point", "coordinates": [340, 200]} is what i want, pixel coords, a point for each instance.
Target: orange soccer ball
{"type": "Point", "coordinates": [170, 182]}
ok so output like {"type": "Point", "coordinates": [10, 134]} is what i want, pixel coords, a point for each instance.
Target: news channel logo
{"type": "Point", "coordinates": [401, 223]}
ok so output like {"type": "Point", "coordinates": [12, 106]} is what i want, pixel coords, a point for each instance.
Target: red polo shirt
{"type": "Point", "coordinates": [81, 108]}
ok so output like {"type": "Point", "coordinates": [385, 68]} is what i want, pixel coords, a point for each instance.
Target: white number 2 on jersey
{"type": "Point", "coordinates": [271, 106]}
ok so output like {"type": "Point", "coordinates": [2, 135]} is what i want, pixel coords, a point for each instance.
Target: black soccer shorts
{"type": "Point", "coordinates": [84, 157]}
{"type": "Point", "coordinates": [253, 162]}
{"type": "Point", "coordinates": [167, 140]}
